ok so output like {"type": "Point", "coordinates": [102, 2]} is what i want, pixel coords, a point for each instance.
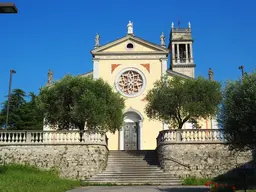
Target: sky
{"type": "Point", "coordinates": [59, 35]}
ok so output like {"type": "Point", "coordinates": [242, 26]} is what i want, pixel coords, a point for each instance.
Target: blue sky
{"type": "Point", "coordinates": [59, 34]}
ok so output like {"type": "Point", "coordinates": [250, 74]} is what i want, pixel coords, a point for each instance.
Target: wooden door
{"type": "Point", "coordinates": [131, 136]}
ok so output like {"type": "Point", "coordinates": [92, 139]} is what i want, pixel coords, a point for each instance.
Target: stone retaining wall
{"type": "Point", "coordinates": [201, 159]}
{"type": "Point", "coordinates": [72, 161]}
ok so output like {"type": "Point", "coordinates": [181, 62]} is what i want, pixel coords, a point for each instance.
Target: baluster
{"type": "Point", "coordinates": [203, 133]}
{"type": "Point", "coordinates": [215, 135]}
{"type": "Point", "coordinates": [41, 137]}
{"type": "Point", "coordinates": [196, 135]}
{"type": "Point", "coordinates": [5, 137]}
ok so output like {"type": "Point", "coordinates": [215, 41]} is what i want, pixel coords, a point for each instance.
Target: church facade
{"type": "Point", "coordinates": [131, 65]}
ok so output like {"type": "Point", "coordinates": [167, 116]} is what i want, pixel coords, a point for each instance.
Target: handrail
{"type": "Point", "coordinates": [10, 137]}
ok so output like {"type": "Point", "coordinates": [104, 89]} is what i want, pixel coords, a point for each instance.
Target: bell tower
{"type": "Point", "coordinates": [181, 49]}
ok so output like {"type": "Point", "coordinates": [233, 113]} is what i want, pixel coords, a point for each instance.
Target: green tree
{"type": "Point", "coordinates": [238, 113]}
{"type": "Point", "coordinates": [71, 102]}
{"type": "Point", "coordinates": [23, 115]}
{"type": "Point", "coordinates": [32, 117]}
{"type": "Point", "coordinates": [16, 102]}
{"type": "Point", "coordinates": [179, 100]}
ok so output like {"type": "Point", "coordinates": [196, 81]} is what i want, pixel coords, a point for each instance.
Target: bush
{"type": "Point", "coordinates": [194, 181]}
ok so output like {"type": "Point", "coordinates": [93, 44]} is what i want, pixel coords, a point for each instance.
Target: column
{"type": "Point", "coordinates": [178, 53]}
{"type": "Point", "coordinates": [186, 53]}
{"type": "Point", "coordinates": [121, 139]}
{"type": "Point", "coordinates": [95, 69]}
{"type": "Point", "coordinates": [165, 126]}
{"type": "Point", "coordinates": [140, 135]}
{"type": "Point", "coordinates": [173, 53]}
{"type": "Point", "coordinates": [191, 53]}
{"type": "Point", "coordinates": [164, 66]}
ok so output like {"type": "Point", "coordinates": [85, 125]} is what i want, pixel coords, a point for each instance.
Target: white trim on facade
{"type": "Point", "coordinates": [164, 66]}
{"type": "Point", "coordinates": [95, 69]}
{"type": "Point", "coordinates": [138, 120]}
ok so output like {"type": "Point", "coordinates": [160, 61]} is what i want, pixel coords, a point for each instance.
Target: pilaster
{"type": "Point", "coordinates": [164, 66]}
{"type": "Point", "coordinates": [95, 69]}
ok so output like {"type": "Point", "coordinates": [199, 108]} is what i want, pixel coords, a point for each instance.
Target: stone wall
{"type": "Point", "coordinates": [72, 161]}
{"type": "Point", "coordinates": [201, 160]}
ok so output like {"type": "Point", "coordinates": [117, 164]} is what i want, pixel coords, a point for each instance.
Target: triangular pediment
{"type": "Point", "coordinates": [139, 46]}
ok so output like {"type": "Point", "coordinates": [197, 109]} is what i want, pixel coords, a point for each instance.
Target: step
{"type": "Point", "coordinates": [145, 182]}
{"type": "Point", "coordinates": [129, 159]}
{"type": "Point", "coordinates": [134, 179]}
{"type": "Point", "coordinates": [129, 177]}
{"type": "Point", "coordinates": [138, 174]}
{"type": "Point", "coordinates": [133, 168]}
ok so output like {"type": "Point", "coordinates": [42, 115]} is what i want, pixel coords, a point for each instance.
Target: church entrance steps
{"type": "Point", "coordinates": [134, 167]}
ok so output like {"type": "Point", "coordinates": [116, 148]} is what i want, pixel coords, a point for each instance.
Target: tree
{"type": "Point", "coordinates": [179, 100]}
{"type": "Point", "coordinates": [32, 117]}
{"type": "Point", "coordinates": [23, 115]}
{"type": "Point", "coordinates": [71, 102]}
{"type": "Point", "coordinates": [16, 102]}
{"type": "Point", "coordinates": [238, 113]}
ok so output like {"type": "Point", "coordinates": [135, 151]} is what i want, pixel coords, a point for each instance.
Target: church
{"type": "Point", "coordinates": [131, 65]}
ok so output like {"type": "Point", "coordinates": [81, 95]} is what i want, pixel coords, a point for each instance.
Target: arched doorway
{"type": "Point", "coordinates": [130, 134]}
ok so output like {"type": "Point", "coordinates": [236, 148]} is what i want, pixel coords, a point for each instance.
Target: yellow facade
{"type": "Point", "coordinates": [148, 59]}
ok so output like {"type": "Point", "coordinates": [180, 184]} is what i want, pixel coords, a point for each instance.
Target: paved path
{"type": "Point", "coordinates": [142, 189]}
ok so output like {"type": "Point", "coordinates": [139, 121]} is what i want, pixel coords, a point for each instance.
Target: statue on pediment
{"type": "Point", "coordinates": [130, 28]}
{"type": "Point", "coordinates": [97, 40]}
{"type": "Point", "coordinates": [162, 39]}
{"type": "Point", "coordinates": [210, 74]}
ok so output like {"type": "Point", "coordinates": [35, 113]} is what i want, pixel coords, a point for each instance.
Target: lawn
{"type": "Point", "coordinates": [18, 178]}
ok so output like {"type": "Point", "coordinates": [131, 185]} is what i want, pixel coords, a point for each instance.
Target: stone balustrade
{"type": "Point", "coordinates": [51, 137]}
{"type": "Point", "coordinates": [190, 136]}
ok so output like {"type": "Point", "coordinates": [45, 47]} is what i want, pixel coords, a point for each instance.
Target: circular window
{"type": "Point", "coordinates": [130, 82]}
{"type": "Point", "coordinates": [129, 46]}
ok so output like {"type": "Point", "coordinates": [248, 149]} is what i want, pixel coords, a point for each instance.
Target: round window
{"type": "Point", "coordinates": [129, 46]}
{"type": "Point", "coordinates": [130, 82]}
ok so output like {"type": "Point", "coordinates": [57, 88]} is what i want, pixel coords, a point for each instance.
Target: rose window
{"type": "Point", "coordinates": [130, 83]}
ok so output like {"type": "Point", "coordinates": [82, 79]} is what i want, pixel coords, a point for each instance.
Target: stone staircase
{"type": "Point", "coordinates": [134, 167]}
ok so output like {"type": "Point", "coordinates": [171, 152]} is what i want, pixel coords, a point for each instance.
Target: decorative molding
{"type": "Point", "coordinates": [132, 39]}
{"type": "Point", "coordinates": [134, 111]}
{"type": "Point", "coordinates": [147, 66]}
{"type": "Point", "coordinates": [144, 99]}
{"type": "Point", "coordinates": [183, 65]}
{"type": "Point", "coordinates": [114, 66]}
{"type": "Point", "coordinates": [130, 57]}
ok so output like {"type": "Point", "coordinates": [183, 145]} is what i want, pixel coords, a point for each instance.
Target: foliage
{"type": "Point", "coordinates": [180, 100]}
{"type": "Point", "coordinates": [71, 102]}
{"type": "Point", "coordinates": [23, 115]}
{"type": "Point", "coordinates": [194, 181]}
{"type": "Point", "coordinates": [19, 178]}
{"type": "Point", "coordinates": [238, 113]}
{"type": "Point", "coordinates": [215, 187]}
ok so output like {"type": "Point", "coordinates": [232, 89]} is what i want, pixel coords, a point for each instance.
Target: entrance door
{"type": "Point", "coordinates": [130, 136]}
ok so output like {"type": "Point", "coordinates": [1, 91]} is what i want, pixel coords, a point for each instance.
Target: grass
{"type": "Point", "coordinates": [195, 181]}
{"type": "Point", "coordinates": [19, 178]}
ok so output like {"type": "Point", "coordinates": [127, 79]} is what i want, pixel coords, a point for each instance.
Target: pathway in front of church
{"type": "Point", "coordinates": [142, 189]}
